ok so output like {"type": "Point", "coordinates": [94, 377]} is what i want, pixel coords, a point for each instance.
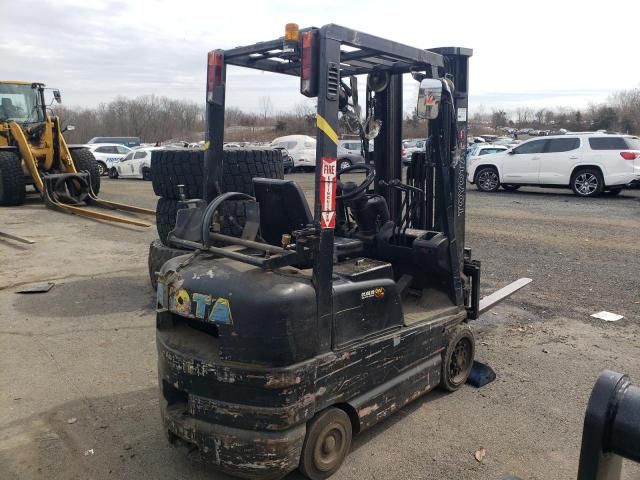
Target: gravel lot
{"type": "Point", "coordinates": [79, 396]}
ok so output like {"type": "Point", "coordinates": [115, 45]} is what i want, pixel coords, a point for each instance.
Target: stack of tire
{"type": "Point", "coordinates": [170, 168]}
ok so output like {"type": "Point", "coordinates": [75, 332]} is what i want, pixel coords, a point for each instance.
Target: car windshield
{"type": "Point", "coordinates": [19, 103]}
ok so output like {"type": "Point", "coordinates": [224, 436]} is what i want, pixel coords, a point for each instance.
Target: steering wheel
{"type": "Point", "coordinates": [360, 189]}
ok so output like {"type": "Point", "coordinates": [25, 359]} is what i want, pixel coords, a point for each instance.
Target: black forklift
{"type": "Point", "coordinates": [277, 346]}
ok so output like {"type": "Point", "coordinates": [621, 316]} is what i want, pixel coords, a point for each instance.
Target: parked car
{"type": "Point", "coordinates": [287, 160]}
{"type": "Point", "coordinates": [126, 141]}
{"type": "Point", "coordinates": [349, 153]}
{"type": "Point", "coordinates": [137, 164]}
{"type": "Point", "coordinates": [587, 163]}
{"type": "Point", "coordinates": [302, 149]}
{"type": "Point", "coordinates": [107, 155]}
{"type": "Point", "coordinates": [410, 146]}
{"type": "Point", "coordinates": [481, 149]}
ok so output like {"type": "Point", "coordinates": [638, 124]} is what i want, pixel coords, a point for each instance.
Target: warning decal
{"type": "Point", "coordinates": [328, 192]}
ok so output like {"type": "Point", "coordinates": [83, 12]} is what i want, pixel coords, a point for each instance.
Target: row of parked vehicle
{"type": "Point", "coordinates": [588, 163]}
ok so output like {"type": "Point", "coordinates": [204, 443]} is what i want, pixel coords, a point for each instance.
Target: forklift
{"type": "Point", "coordinates": [277, 346]}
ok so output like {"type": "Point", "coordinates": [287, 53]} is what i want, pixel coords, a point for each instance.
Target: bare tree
{"type": "Point", "coordinates": [266, 107]}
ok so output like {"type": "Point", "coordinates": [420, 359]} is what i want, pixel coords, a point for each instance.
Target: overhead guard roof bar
{"type": "Point", "coordinates": [373, 53]}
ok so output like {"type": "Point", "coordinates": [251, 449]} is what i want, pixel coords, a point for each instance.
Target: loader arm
{"type": "Point", "coordinates": [27, 155]}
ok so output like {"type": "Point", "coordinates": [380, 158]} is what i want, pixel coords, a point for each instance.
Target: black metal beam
{"type": "Point", "coordinates": [401, 51]}
{"type": "Point", "coordinates": [266, 65]}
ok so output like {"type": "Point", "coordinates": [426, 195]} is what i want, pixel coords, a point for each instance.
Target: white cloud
{"type": "Point", "coordinates": [543, 53]}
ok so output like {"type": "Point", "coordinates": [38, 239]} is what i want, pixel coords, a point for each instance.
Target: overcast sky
{"type": "Point", "coordinates": [542, 53]}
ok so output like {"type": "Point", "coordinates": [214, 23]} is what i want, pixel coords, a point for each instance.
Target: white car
{"type": "Point", "coordinates": [588, 163]}
{"type": "Point", "coordinates": [481, 149]}
{"type": "Point", "coordinates": [107, 154]}
{"type": "Point", "coordinates": [302, 148]}
{"type": "Point", "coordinates": [137, 164]}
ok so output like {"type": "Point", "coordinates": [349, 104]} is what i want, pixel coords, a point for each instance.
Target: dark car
{"type": "Point", "coordinates": [287, 160]}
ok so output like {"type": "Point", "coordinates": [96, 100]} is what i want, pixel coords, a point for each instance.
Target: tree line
{"type": "Point", "coordinates": [620, 113]}
{"type": "Point", "coordinates": [157, 119]}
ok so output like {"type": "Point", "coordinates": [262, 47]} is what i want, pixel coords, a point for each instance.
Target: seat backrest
{"type": "Point", "coordinates": [283, 208]}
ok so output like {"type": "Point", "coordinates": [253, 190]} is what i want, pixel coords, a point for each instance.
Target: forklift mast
{"type": "Point", "coordinates": [323, 58]}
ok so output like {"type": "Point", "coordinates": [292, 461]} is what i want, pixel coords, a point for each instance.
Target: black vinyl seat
{"type": "Point", "coordinates": [284, 209]}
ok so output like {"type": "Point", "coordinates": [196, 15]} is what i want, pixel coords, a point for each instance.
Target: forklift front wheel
{"type": "Point", "coordinates": [457, 359]}
{"type": "Point", "coordinates": [326, 444]}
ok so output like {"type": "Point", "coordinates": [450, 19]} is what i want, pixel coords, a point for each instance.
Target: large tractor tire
{"type": "Point", "coordinates": [241, 166]}
{"type": "Point", "coordinates": [170, 168]}
{"type": "Point", "coordinates": [84, 160]}
{"type": "Point", "coordinates": [233, 217]}
{"type": "Point", "coordinates": [12, 185]}
{"type": "Point", "coordinates": [159, 254]}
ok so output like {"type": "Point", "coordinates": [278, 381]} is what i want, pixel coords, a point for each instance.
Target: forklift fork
{"type": "Point", "coordinates": [72, 192]}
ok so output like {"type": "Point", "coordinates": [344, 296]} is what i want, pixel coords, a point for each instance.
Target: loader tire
{"type": "Point", "coordinates": [12, 185]}
{"type": "Point", "coordinates": [159, 254]}
{"type": "Point", "coordinates": [233, 217]}
{"type": "Point", "coordinates": [84, 160]}
{"type": "Point", "coordinates": [170, 168]}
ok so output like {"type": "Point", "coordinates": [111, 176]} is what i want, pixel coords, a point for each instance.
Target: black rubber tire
{"type": "Point", "coordinates": [233, 217]}
{"type": "Point", "coordinates": [166, 210]}
{"type": "Point", "coordinates": [486, 187]}
{"type": "Point", "coordinates": [102, 169]}
{"type": "Point", "coordinates": [449, 380]}
{"type": "Point", "coordinates": [613, 192]}
{"type": "Point", "coordinates": [510, 188]}
{"type": "Point", "coordinates": [146, 174]}
{"type": "Point", "coordinates": [84, 160]}
{"type": "Point", "coordinates": [330, 423]}
{"type": "Point", "coordinates": [158, 255]}
{"type": "Point", "coordinates": [12, 184]}
{"type": "Point", "coordinates": [170, 168]}
{"type": "Point", "coordinates": [113, 173]}
{"type": "Point", "coordinates": [592, 173]}
{"type": "Point", "coordinates": [241, 166]}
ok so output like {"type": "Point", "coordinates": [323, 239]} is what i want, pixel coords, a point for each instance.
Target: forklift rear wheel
{"type": "Point", "coordinates": [326, 444]}
{"type": "Point", "coordinates": [457, 359]}
{"type": "Point", "coordinates": [487, 179]}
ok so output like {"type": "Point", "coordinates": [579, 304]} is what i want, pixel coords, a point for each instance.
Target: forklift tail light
{"type": "Point", "coordinates": [309, 64]}
{"type": "Point", "coordinates": [214, 73]}
{"type": "Point", "coordinates": [629, 155]}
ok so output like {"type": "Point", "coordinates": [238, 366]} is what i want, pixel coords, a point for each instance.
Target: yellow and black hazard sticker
{"type": "Point", "coordinates": [327, 129]}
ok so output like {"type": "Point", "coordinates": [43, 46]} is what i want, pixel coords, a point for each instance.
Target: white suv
{"type": "Point", "coordinates": [587, 163]}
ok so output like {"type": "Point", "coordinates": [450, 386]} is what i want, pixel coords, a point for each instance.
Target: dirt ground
{"type": "Point", "coordinates": [79, 393]}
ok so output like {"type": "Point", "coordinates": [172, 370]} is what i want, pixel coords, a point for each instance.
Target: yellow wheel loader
{"type": "Point", "coordinates": [33, 151]}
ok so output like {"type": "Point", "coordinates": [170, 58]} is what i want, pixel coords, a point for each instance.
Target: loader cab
{"type": "Point", "coordinates": [22, 102]}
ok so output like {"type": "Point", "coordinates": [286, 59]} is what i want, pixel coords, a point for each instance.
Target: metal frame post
{"type": "Point", "coordinates": [388, 144]}
{"type": "Point", "coordinates": [214, 136]}
{"type": "Point", "coordinates": [327, 148]}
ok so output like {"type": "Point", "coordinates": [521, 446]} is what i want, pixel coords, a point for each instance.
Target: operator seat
{"type": "Point", "coordinates": [8, 109]}
{"type": "Point", "coordinates": [284, 209]}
